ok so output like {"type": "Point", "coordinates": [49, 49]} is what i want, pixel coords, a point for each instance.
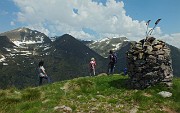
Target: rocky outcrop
{"type": "Point", "coordinates": [148, 63]}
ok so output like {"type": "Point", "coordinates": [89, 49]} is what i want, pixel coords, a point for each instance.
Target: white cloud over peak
{"type": "Point", "coordinates": [57, 17]}
{"type": "Point", "coordinates": [82, 35]}
{"type": "Point", "coordinates": [39, 27]}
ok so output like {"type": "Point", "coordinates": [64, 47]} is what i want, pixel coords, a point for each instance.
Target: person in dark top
{"type": "Point", "coordinates": [41, 73]}
{"type": "Point", "coordinates": [112, 62]}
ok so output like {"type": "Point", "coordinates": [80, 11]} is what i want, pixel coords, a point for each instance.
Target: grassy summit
{"type": "Point", "coordinates": [100, 94]}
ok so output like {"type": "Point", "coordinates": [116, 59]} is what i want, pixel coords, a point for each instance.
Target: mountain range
{"type": "Point", "coordinates": [103, 46]}
{"type": "Point", "coordinates": [65, 57]}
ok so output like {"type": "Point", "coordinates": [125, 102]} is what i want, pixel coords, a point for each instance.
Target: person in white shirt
{"type": "Point", "coordinates": [42, 74]}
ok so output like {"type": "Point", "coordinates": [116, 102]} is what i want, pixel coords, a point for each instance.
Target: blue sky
{"type": "Point", "coordinates": [168, 10]}
{"type": "Point", "coordinates": [95, 19]}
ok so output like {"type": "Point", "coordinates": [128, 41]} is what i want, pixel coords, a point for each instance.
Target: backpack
{"type": "Point", "coordinates": [114, 58]}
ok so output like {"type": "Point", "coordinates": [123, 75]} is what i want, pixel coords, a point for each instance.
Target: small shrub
{"type": "Point", "coordinates": [79, 84]}
{"type": "Point", "coordinates": [10, 100]}
{"type": "Point", "coordinates": [30, 107]}
{"type": "Point", "coordinates": [31, 94]}
{"type": "Point", "coordinates": [113, 101]}
{"type": "Point", "coordinates": [12, 90]}
{"type": "Point", "coordinates": [2, 94]}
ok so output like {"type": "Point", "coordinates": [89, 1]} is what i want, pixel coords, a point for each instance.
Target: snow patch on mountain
{"type": "Point", "coordinates": [52, 38]}
{"type": "Point", "coordinates": [12, 55]}
{"type": "Point", "coordinates": [46, 48]}
{"type": "Point", "coordinates": [6, 49]}
{"type": "Point", "coordinates": [93, 42]}
{"type": "Point", "coordinates": [20, 29]}
{"type": "Point", "coordinates": [2, 59]}
{"type": "Point", "coordinates": [20, 43]}
{"type": "Point", "coordinates": [126, 40]}
{"type": "Point", "coordinates": [105, 39]}
{"type": "Point", "coordinates": [5, 64]}
{"type": "Point", "coordinates": [15, 50]}
{"type": "Point", "coordinates": [117, 46]}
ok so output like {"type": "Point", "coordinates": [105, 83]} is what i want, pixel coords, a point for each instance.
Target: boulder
{"type": "Point", "coordinates": [165, 94]}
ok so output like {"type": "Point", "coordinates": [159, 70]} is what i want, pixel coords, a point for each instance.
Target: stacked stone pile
{"type": "Point", "coordinates": [149, 62]}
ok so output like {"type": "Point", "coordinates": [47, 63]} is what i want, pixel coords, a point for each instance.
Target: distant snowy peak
{"type": "Point", "coordinates": [26, 35]}
{"type": "Point", "coordinates": [113, 43]}
{"type": "Point", "coordinates": [113, 38]}
{"type": "Point", "coordinates": [103, 46]}
{"type": "Point", "coordinates": [104, 39]}
{"type": "Point", "coordinates": [23, 29]}
{"type": "Point", "coordinates": [53, 38]}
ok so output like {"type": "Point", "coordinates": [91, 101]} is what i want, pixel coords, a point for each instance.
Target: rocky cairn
{"type": "Point", "coordinates": [148, 63]}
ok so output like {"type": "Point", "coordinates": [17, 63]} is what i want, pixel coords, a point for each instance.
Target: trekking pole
{"type": "Point", "coordinates": [147, 23]}
{"type": "Point", "coordinates": [150, 31]}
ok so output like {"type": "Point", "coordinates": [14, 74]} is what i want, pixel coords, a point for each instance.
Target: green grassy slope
{"type": "Point", "coordinates": [100, 94]}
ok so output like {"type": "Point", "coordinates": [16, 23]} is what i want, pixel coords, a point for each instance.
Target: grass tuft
{"type": "Point", "coordinates": [31, 94]}
{"type": "Point", "coordinates": [2, 93]}
{"type": "Point", "coordinates": [80, 84]}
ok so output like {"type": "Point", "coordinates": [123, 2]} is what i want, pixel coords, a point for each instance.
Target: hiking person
{"type": "Point", "coordinates": [112, 62]}
{"type": "Point", "coordinates": [125, 71]}
{"type": "Point", "coordinates": [41, 72]}
{"type": "Point", "coordinates": [92, 65]}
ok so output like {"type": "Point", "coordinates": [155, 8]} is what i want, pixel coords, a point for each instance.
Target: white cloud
{"type": "Point", "coordinates": [82, 35]}
{"type": "Point", "coordinates": [173, 39]}
{"type": "Point", "coordinates": [39, 27]}
{"type": "Point", "coordinates": [12, 23]}
{"type": "Point", "coordinates": [56, 17]}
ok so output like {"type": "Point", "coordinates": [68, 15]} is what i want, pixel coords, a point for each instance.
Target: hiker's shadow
{"type": "Point", "coordinates": [120, 83]}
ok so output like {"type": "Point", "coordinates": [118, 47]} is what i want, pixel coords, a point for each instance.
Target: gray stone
{"type": "Point", "coordinates": [157, 47]}
{"type": "Point", "coordinates": [149, 48]}
{"type": "Point", "coordinates": [169, 84]}
{"type": "Point", "coordinates": [140, 55]}
{"type": "Point", "coordinates": [150, 39]}
{"type": "Point", "coordinates": [160, 57]}
{"type": "Point", "coordinates": [134, 110]}
{"type": "Point", "coordinates": [63, 108]}
{"type": "Point", "coordinates": [160, 52]}
{"type": "Point", "coordinates": [165, 94]}
{"type": "Point", "coordinates": [147, 44]}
